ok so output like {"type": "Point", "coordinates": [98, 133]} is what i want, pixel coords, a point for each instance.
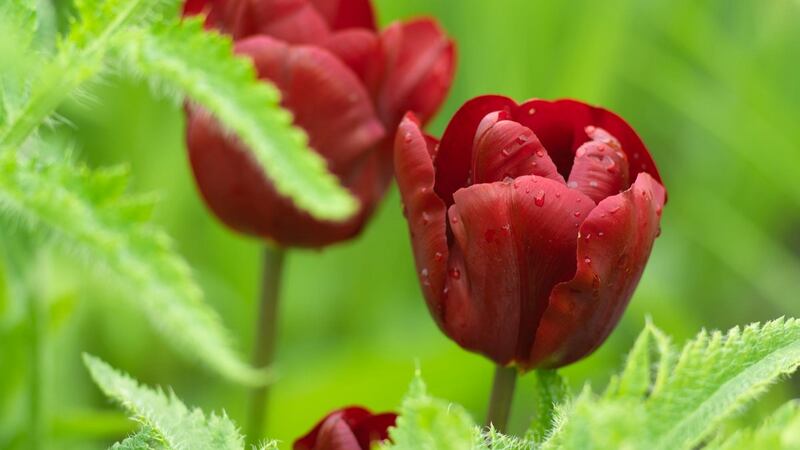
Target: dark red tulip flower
{"type": "Point", "coordinates": [348, 86]}
{"type": "Point", "coordinates": [352, 428]}
{"type": "Point", "coordinates": [531, 225]}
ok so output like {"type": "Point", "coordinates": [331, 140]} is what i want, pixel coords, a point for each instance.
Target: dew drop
{"type": "Point", "coordinates": [587, 260]}
{"type": "Point", "coordinates": [438, 256]}
{"type": "Point", "coordinates": [522, 138]}
{"type": "Point", "coordinates": [508, 180]}
{"type": "Point", "coordinates": [407, 137]}
{"type": "Point", "coordinates": [538, 198]}
{"type": "Point", "coordinates": [593, 183]}
{"type": "Point", "coordinates": [532, 111]}
{"type": "Point", "coordinates": [454, 219]}
{"type": "Point", "coordinates": [576, 214]}
{"type": "Point", "coordinates": [572, 185]}
{"type": "Point", "coordinates": [600, 234]}
{"type": "Point", "coordinates": [558, 194]}
{"type": "Point", "coordinates": [505, 152]}
{"type": "Point", "coordinates": [425, 218]}
{"type": "Point", "coordinates": [454, 273]}
{"type": "Point", "coordinates": [540, 153]}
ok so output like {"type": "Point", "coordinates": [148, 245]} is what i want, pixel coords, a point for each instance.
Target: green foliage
{"type": "Point", "coordinates": [167, 423]}
{"type": "Point", "coordinates": [427, 423]}
{"type": "Point", "coordinates": [145, 439]}
{"type": "Point", "coordinates": [677, 404]}
{"type": "Point", "coordinates": [780, 431]}
{"type": "Point", "coordinates": [88, 213]}
{"type": "Point", "coordinates": [182, 57]}
{"type": "Point", "coordinates": [655, 402]}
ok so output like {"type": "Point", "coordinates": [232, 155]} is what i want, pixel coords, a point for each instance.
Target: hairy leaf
{"type": "Point", "coordinates": [88, 213]}
{"type": "Point", "coordinates": [144, 439]}
{"type": "Point", "coordinates": [680, 403]}
{"type": "Point", "coordinates": [780, 431]}
{"type": "Point", "coordinates": [427, 423]}
{"type": "Point", "coordinates": [80, 56]}
{"type": "Point", "coordinates": [163, 416]}
{"type": "Point", "coordinates": [182, 57]}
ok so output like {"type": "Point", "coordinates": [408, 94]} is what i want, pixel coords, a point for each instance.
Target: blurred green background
{"type": "Point", "coordinates": [713, 87]}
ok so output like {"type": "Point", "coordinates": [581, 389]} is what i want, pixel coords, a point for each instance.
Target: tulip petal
{"type": "Point", "coordinates": [600, 168]}
{"type": "Point", "coordinates": [454, 159]}
{"type": "Point", "coordinates": [613, 249]}
{"type": "Point", "coordinates": [374, 428]}
{"type": "Point", "coordinates": [561, 126]}
{"type": "Point", "coordinates": [326, 98]}
{"type": "Point", "coordinates": [514, 241]}
{"type": "Point", "coordinates": [343, 14]}
{"type": "Point", "coordinates": [347, 416]}
{"type": "Point", "coordinates": [413, 159]}
{"type": "Point", "coordinates": [419, 61]}
{"type": "Point", "coordinates": [358, 48]}
{"type": "Point", "coordinates": [291, 21]}
{"type": "Point", "coordinates": [506, 149]}
{"type": "Point", "coordinates": [333, 108]}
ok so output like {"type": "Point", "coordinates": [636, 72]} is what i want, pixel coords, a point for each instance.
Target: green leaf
{"type": "Point", "coordinates": [684, 401]}
{"type": "Point", "coordinates": [80, 56]}
{"type": "Point", "coordinates": [780, 431]}
{"type": "Point", "coordinates": [101, 20]}
{"type": "Point", "coordinates": [184, 58]}
{"type": "Point", "coordinates": [145, 439]}
{"type": "Point", "coordinates": [427, 423]}
{"type": "Point", "coordinates": [87, 213]}
{"type": "Point", "coordinates": [166, 420]}
{"type": "Point", "coordinates": [18, 24]}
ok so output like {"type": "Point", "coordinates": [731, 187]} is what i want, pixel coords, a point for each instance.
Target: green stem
{"type": "Point", "coordinates": [264, 346]}
{"type": "Point", "coordinates": [36, 426]}
{"type": "Point", "coordinates": [505, 378]}
{"type": "Point", "coordinates": [551, 390]}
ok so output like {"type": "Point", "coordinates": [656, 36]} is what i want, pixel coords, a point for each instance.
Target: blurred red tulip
{"type": "Point", "coordinates": [347, 85]}
{"type": "Point", "coordinates": [352, 428]}
{"type": "Point", "coordinates": [531, 225]}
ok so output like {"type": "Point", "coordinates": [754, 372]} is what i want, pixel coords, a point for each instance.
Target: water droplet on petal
{"type": "Point", "coordinates": [425, 218]}
{"type": "Point", "coordinates": [600, 234]}
{"type": "Point", "coordinates": [540, 153]}
{"type": "Point", "coordinates": [587, 260]}
{"type": "Point", "coordinates": [572, 185]}
{"type": "Point", "coordinates": [505, 152]}
{"type": "Point", "coordinates": [538, 198]}
{"type": "Point", "coordinates": [454, 219]}
{"type": "Point", "coordinates": [454, 273]}
{"type": "Point", "coordinates": [532, 111]}
{"type": "Point", "coordinates": [576, 214]}
{"type": "Point", "coordinates": [438, 256]}
{"type": "Point", "coordinates": [593, 183]}
{"type": "Point", "coordinates": [508, 180]}
{"type": "Point", "coordinates": [522, 139]}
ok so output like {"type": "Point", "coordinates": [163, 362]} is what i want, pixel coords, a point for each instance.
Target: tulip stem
{"type": "Point", "coordinates": [264, 346]}
{"type": "Point", "coordinates": [505, 378]}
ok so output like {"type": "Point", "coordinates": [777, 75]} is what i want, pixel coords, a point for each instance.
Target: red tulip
{"type": "Point", "coordinates": [352, 428]}
{"type": "Point", "coordinates": [347, 86]}
{"type": "Point", "coordinates": [531, 225]}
